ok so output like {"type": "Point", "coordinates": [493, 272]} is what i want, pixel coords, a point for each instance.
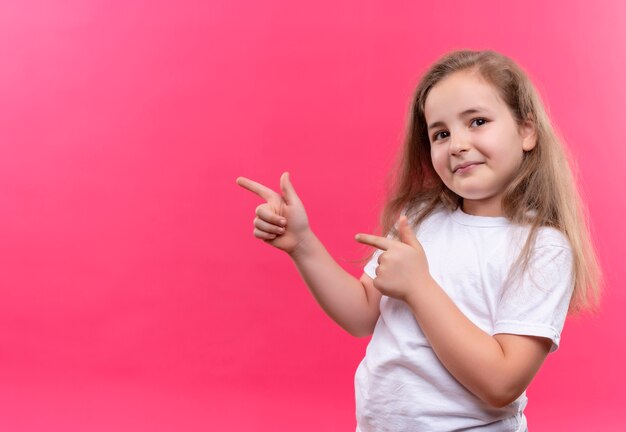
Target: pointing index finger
{"type": "Point", "coordinates": [376, 241]}
{"type": "Point", "coordinates": [257, 188]}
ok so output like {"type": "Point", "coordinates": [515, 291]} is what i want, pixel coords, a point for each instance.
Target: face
{"type": "Point", "coordinates": [476, 145]}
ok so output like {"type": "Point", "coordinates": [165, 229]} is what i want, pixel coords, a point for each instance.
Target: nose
{"type": "Point", "coordinates": [458, 143]}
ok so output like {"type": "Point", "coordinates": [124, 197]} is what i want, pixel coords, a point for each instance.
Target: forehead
{"type": "Point", "coordinates": [458, 92]}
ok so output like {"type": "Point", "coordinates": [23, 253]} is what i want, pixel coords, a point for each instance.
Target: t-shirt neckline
{"type": "Point", "coordinates": [463, 218]}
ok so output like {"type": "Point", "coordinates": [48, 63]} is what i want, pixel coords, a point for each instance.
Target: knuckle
{"type": "Point", "coordinates": [263, 235]}
{"type": "Point", "coordinates": [258, 223]}
{"type": "Point", "coordinates": [261, 208]}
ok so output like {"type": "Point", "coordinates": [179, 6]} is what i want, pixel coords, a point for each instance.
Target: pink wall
{"type": "Point", "coordinates": [133, 294]}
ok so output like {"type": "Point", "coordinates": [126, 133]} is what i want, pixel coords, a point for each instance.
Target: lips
{"type": "Point", "coordinates": [464, 165]}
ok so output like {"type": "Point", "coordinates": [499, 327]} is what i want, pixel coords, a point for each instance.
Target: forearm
{"type": "Point", "coordinates": [341, 295]}
{"type": "Point", "coordinates": [471, 355]}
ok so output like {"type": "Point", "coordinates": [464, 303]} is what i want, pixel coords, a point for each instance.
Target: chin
{"type": "Point", "coordinates": [473, 196]}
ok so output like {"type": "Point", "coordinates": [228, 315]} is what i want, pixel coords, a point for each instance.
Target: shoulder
{"type": "Point", "coordinates": [415, 212]}
{"type": "Point", "coordinates": [423, 220]}
{"type": "Point", "coordinates": [549, 237]}
{"type": "Point", "coordinates": [551, 254]}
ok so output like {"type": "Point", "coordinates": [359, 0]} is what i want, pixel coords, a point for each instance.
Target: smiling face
{"type": "Point", "coordinates": [476, 145]}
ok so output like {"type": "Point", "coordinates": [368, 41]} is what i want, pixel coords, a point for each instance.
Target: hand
{"type": "Point", "coordinates": [281, 221]}
{"type": "Point", "coordinates": [403, 265]}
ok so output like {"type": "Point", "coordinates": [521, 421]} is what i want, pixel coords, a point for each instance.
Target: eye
{"type": "Point", "coordinates": [479, 119]}
{"type": "Point", "coordinates": [437, 134]}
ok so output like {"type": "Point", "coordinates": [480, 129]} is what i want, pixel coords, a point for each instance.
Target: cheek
{"type": "Point", "coordinates": [511, 159]}
{"type": "Point", "coordinates": [440, 161]}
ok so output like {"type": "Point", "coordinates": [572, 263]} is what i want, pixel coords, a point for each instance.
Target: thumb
{"type": "Point", "coordinates": [289, 193]}
{"type": "Point", "coordinates": [406, 232]}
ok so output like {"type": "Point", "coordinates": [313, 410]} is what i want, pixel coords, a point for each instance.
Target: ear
{"type": "Point", "coordinates": [529, 135]}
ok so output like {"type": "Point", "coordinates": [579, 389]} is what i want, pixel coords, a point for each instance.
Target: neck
{"type": "Point", "coordinates": [486, 209]}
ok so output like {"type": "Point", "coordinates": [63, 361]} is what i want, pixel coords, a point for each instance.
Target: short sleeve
{"type": "Point", "coordinates": [370, 267]}
{"type": "Point", "coordinates": [537, 303]}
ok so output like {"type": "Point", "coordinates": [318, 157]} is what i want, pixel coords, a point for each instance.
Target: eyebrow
{"type": "Point", "coordinates": [461, 115]}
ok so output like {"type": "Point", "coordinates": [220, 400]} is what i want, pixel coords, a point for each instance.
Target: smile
{"type": "Point", "coordinates": [467, 168]}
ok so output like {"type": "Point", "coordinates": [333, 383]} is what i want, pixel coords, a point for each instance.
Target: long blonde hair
{"type": "Point", "coordinates": [544, 186]}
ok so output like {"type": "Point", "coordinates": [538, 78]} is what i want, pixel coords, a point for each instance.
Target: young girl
{"type": "Point", "coordinates": [468, 292]}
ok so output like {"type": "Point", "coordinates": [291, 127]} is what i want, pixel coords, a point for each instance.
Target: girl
{"type": "Point", "coordinates": [468, 292]}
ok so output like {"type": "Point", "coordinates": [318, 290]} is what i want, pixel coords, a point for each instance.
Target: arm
{"type": "Point", "coordinates": [496, 368]}
{"type": "Point", "coordinates": [282, 222]}
{"type": "Point", "coordinates": [351, 303]}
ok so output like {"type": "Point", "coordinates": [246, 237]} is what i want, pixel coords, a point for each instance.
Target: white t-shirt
{"type": "Point", "coordinates": [400, 384]}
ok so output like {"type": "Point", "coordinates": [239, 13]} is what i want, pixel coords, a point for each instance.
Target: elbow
{"type": "Point", "coordinates": [502, 397]}
{"type": "Point", "coordinates": [361, 329]}
{"type": "Point", "coordinates": [360, 332]}
{"type": "Point", "coordinates": [499, 402]}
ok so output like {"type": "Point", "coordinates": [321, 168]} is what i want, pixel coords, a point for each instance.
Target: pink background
{"type": "Point", "coordinates": [133, 294]}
